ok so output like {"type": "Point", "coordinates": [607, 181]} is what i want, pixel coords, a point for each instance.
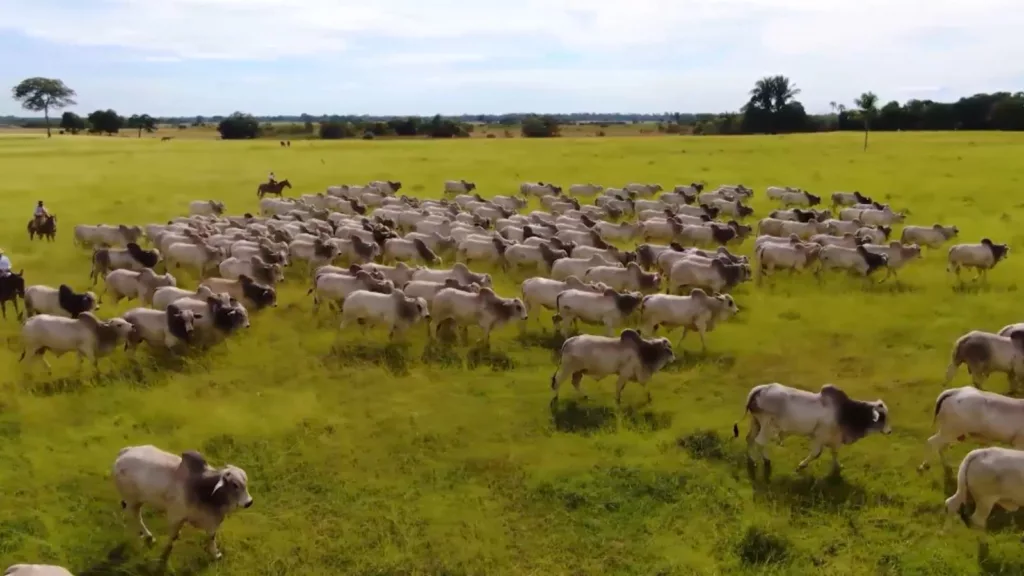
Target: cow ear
{"type": "Point", "coordinates": [220, 481]}
{"type": "Point", "coordinates": [874, 415]}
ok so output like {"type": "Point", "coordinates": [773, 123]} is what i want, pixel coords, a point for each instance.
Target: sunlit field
{"type": "Point", "coordinates": [370, 458]}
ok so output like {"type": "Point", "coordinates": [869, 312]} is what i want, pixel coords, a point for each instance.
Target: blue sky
{"type": "Point", "coordinates": [187, 57]}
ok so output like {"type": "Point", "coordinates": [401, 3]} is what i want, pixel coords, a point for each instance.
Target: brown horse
{"type": "Point", "coordinates": [45, 226]}
{"type": "Point", "coordinates": [276, 188]}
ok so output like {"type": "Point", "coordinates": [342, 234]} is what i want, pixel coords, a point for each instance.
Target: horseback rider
{"type": "Point", "coordinates": [40, 213]}
{"type": "Point", "coordinates": [273, 180]}
{"type": "Point", "coordinates": [5, 264]}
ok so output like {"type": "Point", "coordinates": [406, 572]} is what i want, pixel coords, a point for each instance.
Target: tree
{"type": "Point", "coordinates": [72, 122]}
{"type": "Point", "coordinates": [105, 121]}
{"type": "Point", "coordinates": [1008, 114]}
{"type": "Point", "coordinates": [336, 129]}
{"type": "Point", "coordinates": [769, 110]}
{"type": "Point", "coordinates": [867, 105]}
{"type": "Point", "coordinates": [41, 94]}
{"type": "Point", "coordinates": [143, 122]}
{"type": "Point", "coordinates": [239, 126]}
{"type": "Point", "coordinates": [540, 126]}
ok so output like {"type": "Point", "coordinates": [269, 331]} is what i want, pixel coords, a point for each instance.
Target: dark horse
{"type": "Point", "coordinates": [276, 188]}
{"type": "Point", "coordinates": [12, 287]}
{"type": "Point", "coordinates": [45, 226]}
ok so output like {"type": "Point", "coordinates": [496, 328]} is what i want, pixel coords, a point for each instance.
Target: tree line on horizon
{"type": "Point", "coordinates": [772, 108]}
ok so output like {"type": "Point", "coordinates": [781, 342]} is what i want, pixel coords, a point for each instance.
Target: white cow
{"type": "Point", "coordinates": [127, 284]}
{"type": "Point", "coordinates": [205, 208]}
{"type": "Point", "coordinates": [931, 236]}
{"type": "Point", "coordinates": [982, 257]}
{"type": "Point", "coordinates": [395, 311]}
{"type": "Point", "coordinates": [610, 309]}
{"type": "Point", "coordinates": [86, 335]}
{"type": "Point", "coordinates": [185, 487]}
{"type": "Point", "coordinates": [482, 308]}
{"type": "Point", "coordinates": [698, 312]}
{"type": "Point", "coordinates": [967, 411]}
{"type": "Point", "coordinates": [829, 418]}
{"type": "Point", "coordinates": [161, 328]}
{"type": "Point", "coordinates": [630, 357]}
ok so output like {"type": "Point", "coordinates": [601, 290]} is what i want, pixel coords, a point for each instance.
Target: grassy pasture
{"type": "Point", "coordinates": [366, 458]}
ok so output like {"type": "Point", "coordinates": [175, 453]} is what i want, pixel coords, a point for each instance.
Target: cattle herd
{"type": "Point", "coordinates": [631, 259]}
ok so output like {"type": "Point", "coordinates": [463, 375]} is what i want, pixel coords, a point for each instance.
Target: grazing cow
{"type": "Point", "coordinates": [967, 411]}
{"type": "Point", "coordinates": [84, 334]}
{"type": "Point", "coordinates": [458, 186]}
{"type": "Point", "coordinates": [128, 284]}
{"type": "Point", "coordinates": [543, 292]}
{"type": "Point", "coordinates": [857, 260]}
{"type": "Point", "coordinates": [254, 267]}
{"type": "Point", "coordinates": [336, 287]}
{"type": "Point", "coordinates": [428, 290]}
{"type": "Point", "coordinates": [541, 256]}
{"type": "Point", "coordinates": [165, 296]}
{"type": "Point", "coordinates": [387, 187]}
{"type": "Point", "coordinates": [801, 198]}
{"type": "Point", "coordinates": [982, 257]}
{"type": "Point", "coordinates": [12, 287]}
{"type": "Point", "coordinates": [792, 257]}
{"type": "Point", "coordinates": [783, 228]}
{"type": "Point", "coordinates": [698, 311]}
{"type": "Point", "coordinates": [932, 236]}
{"type": "Point", "coordinates": [185, 487]}
{"type": "Point", "coordinates": [989, 476]}
{"type": "Point", "coordinates": [873, 234]}
{"type": "Point", "coordinates": [482, 308]}
{"type": "Point", "coordinates": [897, 254]}
{"type": "Point", "coordinates": [205, 208]}
{"type": "Point", "coordinates": [132, 258]}
{"type": "Point", "coordinates": [609, 308]}
{"type": "Point", "coordinates": [539, 189]}
{"type": "Point", "coordinates": [215, 314]}
{"type": "Point", "coordinates": [830, 418]}
{"type": "Point", "coordinates": [718, 275]}
{"type": "Point", "coordinates": [643, 189]}
{"type": "Point", "coordinates": [407, 250]}
{"type": "Point", "coordinates": [849, 199]}
{"type": "Point", "coordinates": [793, 215]}
{"type": "Point", "coordinates": [158, 328]}
{"type": "Point", "coordinates": [565, 267]}
{"type": "Point", "coordinates": [489, 249]}
{"type": "Point", "coordinates": [586, 189]}
{"type": "Point", "coordinates": [246, 290]}
{"type": "Point", "coordinates": [985, 353]}
{"type": "Point", "coordinates": [104, 234]}
{"type": "Point", "coordinates": [630, 357]}
{"type": "Point", "coordinates": [631, 278]}
{"type": "Point", "coordinates": [199, 257]}
{"type": "Point", "coordinates": [736, 209]}
{"type": "Point", "coordinates": [61, 301]}
{"type": "Point", "coordinates": [38, 569]}
{"type": "Point", "coordinates": [847, 240]}
{"type": "Point", "coordinates": [395, 311]}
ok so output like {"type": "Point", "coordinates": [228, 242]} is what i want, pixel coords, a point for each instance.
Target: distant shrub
{"type": "Point", "coordinates": [239, 126]}
{"type": "Point", "coordinates": [336, 130]}
{"type": "Point", "coordinates": [368, 136]}
{"type": "Point", "coordinates": [492, 135]}
{"type": "Point", "coordinates": [600, 132]}
{"type": "Point", "coordinates": [540, 126]}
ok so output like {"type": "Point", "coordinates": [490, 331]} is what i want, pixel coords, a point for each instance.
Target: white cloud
{"type": "Point", "coordinates": [670, 54]}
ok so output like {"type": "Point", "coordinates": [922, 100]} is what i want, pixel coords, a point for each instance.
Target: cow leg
{"type": "Point", "coordinates": [938, 443]}
{"type": "Point", "coordinates": [211, 544]}
{"type": "Point", "coordinates": [619, 385]}
{"type": "Point", "coordinates": [816, 447]}
{"type": "Point", "coordinates": [135, 509]}
{"type": "Point", "coordinates": [978, 374]}
{"type": "Point", "coordinates": [175, 526]}
{"type": "Point", "coordinates": [556, 381]}
{"type": "Point", "coordinates": [577, 377]}
{"type": "Point", "coordinates": [835, 459]}
{"type": "Point", "coordinates": [3, 308]}
{"type": "Point", "coordinates": [982, 508]}
{"type": "Point", "coordinates": [701, 329]}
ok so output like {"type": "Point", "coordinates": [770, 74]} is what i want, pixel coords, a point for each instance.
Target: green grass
{"type": "Point", "coordinates": [366, 458]}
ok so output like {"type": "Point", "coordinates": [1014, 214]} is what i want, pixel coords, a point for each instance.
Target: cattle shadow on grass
{"type": "Point", "coordinates": [574, 416]}
{"type": "Point", "coordinates": [547, 339]}
{"type": "Point", "coordinates": [687, 359]}
{"type": "Point", "coordinates": [483, 355]}
{"type": "Point", "coordinates": [990, 564]}
{"type": "Point", "coordinates": [438, 354]}
{"type": "Point", "coordinates": [805, 492]}
{"type": "Point", "coordinates": [391, 357]}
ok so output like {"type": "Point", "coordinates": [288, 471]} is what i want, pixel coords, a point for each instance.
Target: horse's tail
{"type": "Point", "coordinates": [259, 189]}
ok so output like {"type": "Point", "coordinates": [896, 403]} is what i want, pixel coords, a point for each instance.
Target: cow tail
{"type": "Point", "coordinates": [751, 403]}
{"type": "Point", "coordinates": [955, 361]}
{"type": "Point", "coordinates": [938, 403]}
{"type": "Point", "coordinates": [956, 501]}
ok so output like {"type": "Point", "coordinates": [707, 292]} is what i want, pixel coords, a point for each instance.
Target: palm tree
{"type": "Point", "coordinates": [773, 93]}
{"type": "Point", "coordinates": [867, 105]}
